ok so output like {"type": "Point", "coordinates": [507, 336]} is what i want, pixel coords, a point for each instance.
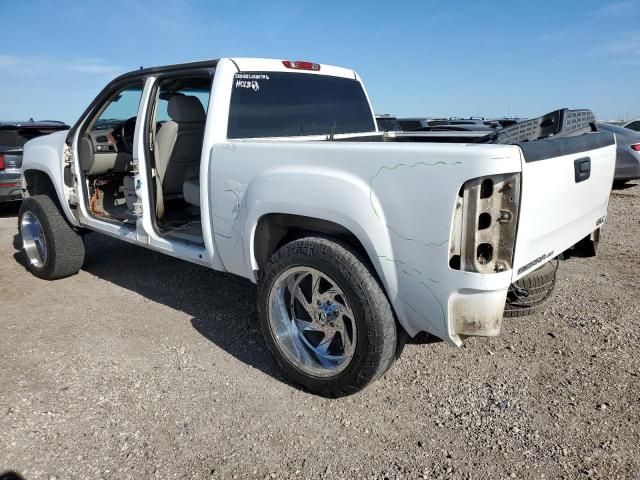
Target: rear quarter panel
{"type": "Point", "coordinates": [396, 198]}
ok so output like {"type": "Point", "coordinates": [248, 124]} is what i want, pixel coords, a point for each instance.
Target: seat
{"type": "Point", "coordinates": [191, 190]}
{"type": "Point", "coordinates": [178, 147]}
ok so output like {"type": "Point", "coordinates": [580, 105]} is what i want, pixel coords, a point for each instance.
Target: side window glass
{"type": "Point", "coordinates": [166, 92]}
{"type": "Point", "coordinates": [634, 126]}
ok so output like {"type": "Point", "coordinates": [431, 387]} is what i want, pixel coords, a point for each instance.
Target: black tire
{"type": "Point", "coordinates": [587, 247]}
{"type": "Point", "coordinates": [375, 350]}
{"type": "Point", "coordinates": [64, 246]}
{"type": "Point", "coordinates": [527, 294]}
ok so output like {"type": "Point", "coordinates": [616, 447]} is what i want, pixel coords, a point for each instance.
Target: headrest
{"type": "Point", "coordinates": [185, 108]}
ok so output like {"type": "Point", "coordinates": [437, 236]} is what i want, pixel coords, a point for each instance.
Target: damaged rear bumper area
{"type": "Point", "coordinates": [480, 312]}
{"type": "Point", "coordinates": [476, 312]}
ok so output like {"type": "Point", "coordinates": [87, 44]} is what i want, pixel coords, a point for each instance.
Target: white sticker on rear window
{"type": "Point", "coordinates": [249, 80]}
{"type": "Point", "coordinates": [251, 76]}
{"type": "Point", "coordinates": [253, 84]}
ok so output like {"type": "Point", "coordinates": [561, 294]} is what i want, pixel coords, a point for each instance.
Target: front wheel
{"type": "Point", "coordinates": [52, 247]}
{"type": "Point", "coordinates": [325, 317]}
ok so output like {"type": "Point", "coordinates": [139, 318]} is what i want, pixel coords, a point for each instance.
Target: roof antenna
{"type": "Point", "coordinates": [141, 67]}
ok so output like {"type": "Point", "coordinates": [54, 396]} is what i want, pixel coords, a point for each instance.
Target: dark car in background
{"type": "Point", "coordinates": [505, 122]}
{"type": "Point", "coordinates": [388, 123]}
{"type": "Point", "coordinates": [13, 136]}
{"type": "Point", "coordinates": [409, 124]}
{"type": "Point", "coordinates": [628, 152]}
{"type": "Point", "coordinates": [416, 124]}
{"type": "Point", "coordinates": [471, 124]}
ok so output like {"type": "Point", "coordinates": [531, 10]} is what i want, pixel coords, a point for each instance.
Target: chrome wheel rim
{"type": "Point", "coordinates": [33, 240]}
{"type": "Point", "coordinates": [312, 322]}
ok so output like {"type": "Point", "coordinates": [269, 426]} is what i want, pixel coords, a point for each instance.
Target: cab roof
{"type": "Point", "coordinates": [243, 64]}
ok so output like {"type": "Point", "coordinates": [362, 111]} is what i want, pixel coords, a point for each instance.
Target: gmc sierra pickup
{"type": "Point", "coordinates": [274, 170]}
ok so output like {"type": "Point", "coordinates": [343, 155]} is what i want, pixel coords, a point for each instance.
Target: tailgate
{"type": "Point", "coordinates": [566, 184]}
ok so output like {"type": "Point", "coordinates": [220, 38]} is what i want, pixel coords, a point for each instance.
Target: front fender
{"type": "Point", "coordinates": [46, 154]}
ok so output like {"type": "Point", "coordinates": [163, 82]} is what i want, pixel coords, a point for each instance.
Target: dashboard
{"type": "Point", "coordinates": [107, 148]}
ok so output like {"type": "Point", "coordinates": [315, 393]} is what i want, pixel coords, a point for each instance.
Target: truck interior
{"type": "Point", "coordinates": [105, 155]}
{"type": "Point", "coordinates": [175, 134]}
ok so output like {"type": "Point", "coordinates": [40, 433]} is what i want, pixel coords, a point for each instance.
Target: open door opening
{"type": "Point", "coordinates": [176, 134]}
{"type": "Point", "coordinates": [105, 152]}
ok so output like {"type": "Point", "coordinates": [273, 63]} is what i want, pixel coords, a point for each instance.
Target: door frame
{"type": "Point", "coordinates": [143, 234]}
{"type": "Point", "coordinates": [149, 137]}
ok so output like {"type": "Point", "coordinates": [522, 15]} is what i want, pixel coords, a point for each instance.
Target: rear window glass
{"type": "Point", "coordinates": [19, 136]}
{"type": "Point", "coordinates": [282, 104]}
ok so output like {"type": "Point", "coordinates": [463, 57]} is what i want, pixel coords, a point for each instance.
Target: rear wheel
{"type": "Point", "coordinates": [325, 317]}
{"type": "Point", "coordinates": [52, 247]}
{"type": "Point", "coordinates": [531, 291]}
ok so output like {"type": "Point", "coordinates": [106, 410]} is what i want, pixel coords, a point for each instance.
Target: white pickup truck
{"type": "Point", "coordinates": [274, 170]}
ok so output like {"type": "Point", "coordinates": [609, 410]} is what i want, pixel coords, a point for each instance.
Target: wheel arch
{"type": "Point", "coordinates": [273, 230]}
{"type": "Point", "coordinates": [38, 182]}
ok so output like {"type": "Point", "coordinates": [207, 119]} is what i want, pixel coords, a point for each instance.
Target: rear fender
{"type": "Point", "coordinates": [396, 200]}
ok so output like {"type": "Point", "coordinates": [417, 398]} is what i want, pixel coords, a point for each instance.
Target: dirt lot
{"type": "Point", "coordinates": [143, 366]}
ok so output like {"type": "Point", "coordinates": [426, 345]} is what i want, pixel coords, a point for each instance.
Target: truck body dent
{"type": "Point", "coordinates": [405, 232]}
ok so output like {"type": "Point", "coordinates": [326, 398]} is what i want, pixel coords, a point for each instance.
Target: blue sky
{"type": "Point", "coordinates": [417, 58]}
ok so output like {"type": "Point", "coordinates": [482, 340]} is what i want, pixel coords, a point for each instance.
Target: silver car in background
{"type": "Point", "coordinates": [633, 125]}
{"type": "Point", "coordinates": [628, 155]}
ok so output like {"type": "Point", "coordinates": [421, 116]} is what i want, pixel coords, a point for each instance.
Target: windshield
{"type": "Point", "coordinates": [283, 104]}
{"type": "Point", "coordinates": [122, 107]}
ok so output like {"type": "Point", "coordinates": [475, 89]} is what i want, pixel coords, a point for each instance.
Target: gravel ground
{"type": "Point", "coordinates": [143, 366]}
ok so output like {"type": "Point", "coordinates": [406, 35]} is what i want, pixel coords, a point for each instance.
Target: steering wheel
{"type": "Point", "coordinates": [127, 129]}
